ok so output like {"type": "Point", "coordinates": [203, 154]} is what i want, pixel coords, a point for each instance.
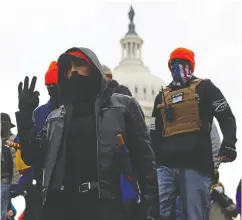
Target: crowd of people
{"type": "Point", "coordinates": [88, 153]}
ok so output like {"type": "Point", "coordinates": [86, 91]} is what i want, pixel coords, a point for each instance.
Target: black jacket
{"type": "Point", "coordinates": [121, 89]}
{"type": "Point", "coordinates": [115, 114]}
{"type": "Point", "coordinates": [194, 150]}
{"type": "Point", "coordinates": [6, 165]}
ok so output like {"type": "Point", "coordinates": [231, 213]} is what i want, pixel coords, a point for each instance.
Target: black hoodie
{"type": "Point", "coordinates": [113, 84]}
{"type": "Point", "coordinates": [81, 93]}
{"type": "Point", "coordinates": [114, 113]}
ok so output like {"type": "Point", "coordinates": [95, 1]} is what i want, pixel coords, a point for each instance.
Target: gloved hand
{"type": "Point", "coordinates": [231, 211]}
{"type": "Point", "coordinates": [14, 192]}
{"type": "Point", "coordinates": [227, 154]}
{"type": "Point", "coordinates": [28, 98]}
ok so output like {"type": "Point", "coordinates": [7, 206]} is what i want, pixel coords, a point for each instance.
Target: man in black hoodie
{"type": "Point", "coordinates": [180, 131]}
{"type": "Point", "coordinates": [78, 147]}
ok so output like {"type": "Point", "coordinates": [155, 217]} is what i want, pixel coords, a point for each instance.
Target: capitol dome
{"type": "Point", "coordinates": [132, 72]}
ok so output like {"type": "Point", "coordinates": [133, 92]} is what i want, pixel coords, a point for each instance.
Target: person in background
{"type": "Point", "coordinates": [113, 84]}
{"type": "Point", "coordinates": [129, 194]}
{"type": "Point", "coordinates": [6, 163]}
{"type": "Point", "coordinates": [78, 146]}
{"type": "Point", "coordinates": [221, 207]}
{"type": "Point", "coordinates": [11, 211]}
{"type": "Point", "coordinates": [16, 174]}
{"type": "Point", "coordinates": [180, 130]}
{"type": "Point", "coordinates": [34, 174]}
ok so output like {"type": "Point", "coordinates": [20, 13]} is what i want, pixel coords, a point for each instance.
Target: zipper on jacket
{"type": "Point", "coordinates": [98, 178]}
{"type": "Point", "coordinates": [45, 189]}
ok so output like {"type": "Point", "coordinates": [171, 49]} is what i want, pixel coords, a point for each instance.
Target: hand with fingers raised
{"type": "Point", "coordinates": [28, 97]}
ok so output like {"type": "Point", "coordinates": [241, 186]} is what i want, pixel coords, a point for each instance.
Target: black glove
{"type": "Point", "coordinates": [28, 98]}
{"type": "Point", "coordinates": [231, 211]}
{"type": "Point", "coordinates": [13, 192]}
{"type": "Point", "coordinates": [227, 153]}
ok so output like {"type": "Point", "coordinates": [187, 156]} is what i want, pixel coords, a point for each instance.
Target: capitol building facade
{"type": "Point", "coordinates": [132, 72]}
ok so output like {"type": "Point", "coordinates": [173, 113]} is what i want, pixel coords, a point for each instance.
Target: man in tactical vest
{"type": "Point", "coordinates": [180, 131]}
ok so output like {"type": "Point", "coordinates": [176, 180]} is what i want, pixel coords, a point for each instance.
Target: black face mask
{"type": "Point", "coordinates": [53, 93]}
{"type": "Point", "coordinates": [81, 88]}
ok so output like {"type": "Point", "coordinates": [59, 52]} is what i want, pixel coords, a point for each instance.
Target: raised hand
{"type": "Point", "coordinates": [28, 97]}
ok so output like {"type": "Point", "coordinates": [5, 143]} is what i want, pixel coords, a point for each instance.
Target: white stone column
{"type": "Point", "coordinates": [131, 50]}
{"type": "Point", "coordinates": [140, 52]}
{"type": "Point", "coordinates": [123, 48]}
{"type": "Point", "coordinates": [135, 50]}
{"type": "Point", "coordinates": [125, 51]}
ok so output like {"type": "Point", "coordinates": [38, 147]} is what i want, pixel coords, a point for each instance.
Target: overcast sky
{"type": "Point", "coordinates": [33, 33]}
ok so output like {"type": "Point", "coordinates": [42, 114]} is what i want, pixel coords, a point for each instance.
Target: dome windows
{"type": "Point", "coordinates": [145, 91]}
{"type": "Point", "coordinates": [153, 92]}
{"type": "Point", "coordinates": [136, 90]}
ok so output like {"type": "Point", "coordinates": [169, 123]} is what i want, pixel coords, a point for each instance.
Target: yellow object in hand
{"type": "Point", "coordinates": [20, 165]}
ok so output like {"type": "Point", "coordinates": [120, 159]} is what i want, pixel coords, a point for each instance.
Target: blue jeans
{"type": "Point", "coordinates": [5, 199]}
{"type": "Point", "coordinates": [193, 187]}
{"type": "Point", "coordinates": [179, 210]}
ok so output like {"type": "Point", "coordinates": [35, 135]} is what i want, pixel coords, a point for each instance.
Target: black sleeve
{"type": "Point", "coordinates": [222, 199]}
{"type": "Point", "coordinates": [156, 125]}
{"type": "Point", "coordinates": [142, 155]}
{"type": "Point", "coordinates": [32, 146]}
{"type": "Point", "coordinates": [123, 90]}
{"type": "Point", "coordinates": [222, 112]}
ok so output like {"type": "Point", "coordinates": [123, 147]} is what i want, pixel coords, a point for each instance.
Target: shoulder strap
{"type": "Point", "coordinates": [166, 90]}
{"type": "Point", "coordinates": [195, 83]}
